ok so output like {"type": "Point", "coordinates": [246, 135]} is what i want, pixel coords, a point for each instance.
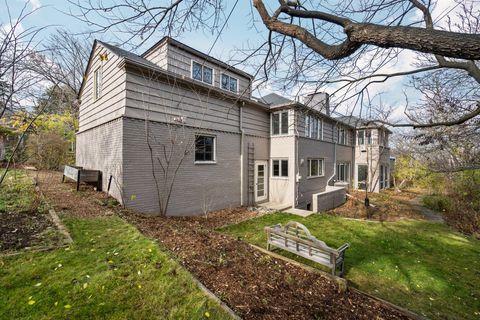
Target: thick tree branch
{"type": "Point", "coordinates": [458, 121]}
{"type": "Point", "coordinates": [426, 40]}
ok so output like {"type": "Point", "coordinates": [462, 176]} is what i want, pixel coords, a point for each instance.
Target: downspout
{"type": "Point", "coordinates": [352, 169]}
{"type": "Point", "coordinates": [242, 133]}
{"type": "Point", "coordinates": [334, 155]}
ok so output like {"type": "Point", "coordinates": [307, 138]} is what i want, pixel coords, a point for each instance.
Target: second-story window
{"type": "Point", "coordinates": [279, 123]}
{"type": "Point", "coordinates": [342, 136]}
{"type": "Point", "coordinates": [229, 83]}
{"type": "Point", "coordinates": [97, 83]}
{"type": "Point", "coordinates": [313, 127]}
{"type": "Point", "coordinates": [364, 136]}
{"type": "Point", "coordinates": [202, 73]}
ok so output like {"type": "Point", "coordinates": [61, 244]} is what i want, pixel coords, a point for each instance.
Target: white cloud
{"type": "Point", "coordinates": [35, 4]}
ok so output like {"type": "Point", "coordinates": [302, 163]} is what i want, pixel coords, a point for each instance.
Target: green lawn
{"type": "Point", "coordinates": [110, 271]}
{"type": "Point", "coordinates": [421, 266]}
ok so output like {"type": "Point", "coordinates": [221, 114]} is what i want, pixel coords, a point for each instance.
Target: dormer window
{"type": "Point", "coordinates": [229, 83]}
{"type": "Point", "coordinates": [202, 73]}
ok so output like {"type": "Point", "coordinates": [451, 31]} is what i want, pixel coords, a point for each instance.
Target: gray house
{"type": "Point", "coordinates": [174, 130]}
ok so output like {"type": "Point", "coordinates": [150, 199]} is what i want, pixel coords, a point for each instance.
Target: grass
{"type": "Point", "coordinates": [17, 192]}
{"type": "Point", "coordinates": [421, 266]}
{"type": "Point", "coordinates": [110, 271]}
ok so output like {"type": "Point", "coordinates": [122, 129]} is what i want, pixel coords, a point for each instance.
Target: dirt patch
{"type": "Point", "coordinates": [253, 284]}
{"type": "Point", "coordinates": [389, 206]}
{"type": "Point", "coordinates": [25, 229]}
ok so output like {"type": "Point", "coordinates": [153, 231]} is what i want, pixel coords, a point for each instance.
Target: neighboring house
{"type": "Point", "coordinates": [372, 155]}
{"type": "Point", "coordinates": [177, 122]}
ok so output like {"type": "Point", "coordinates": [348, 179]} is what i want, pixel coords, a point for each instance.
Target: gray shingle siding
{"type": "Point", "coordinates": [194, 183]}
{"type": "Point", "coordinates": [100, 148]}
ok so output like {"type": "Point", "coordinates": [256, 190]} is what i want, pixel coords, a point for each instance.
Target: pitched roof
{"type": "Point", "coordinates": [273, 99]}
{"type": "Point", "coordinates": [127, 54]}
{"type": "Point", "coordinates": [196, 52]}
{"type": "Point", "coordinates": [360, 123]}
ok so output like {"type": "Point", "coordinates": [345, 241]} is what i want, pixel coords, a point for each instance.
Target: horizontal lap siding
{"type": "Point", "coordinates": [100, 148]}
{"type": "Point", "coordinates": [194, 184]}
{"type": "Point", "coordinates": [256, 121]}
{"type": "Point", "coordinates": [112, 101]}
{"type": "Point", "coordinates": [159, 56]}
{"type": "Point", "coordinates": [310, 148]}
{"type": "Point", "coordinates": [162, 101]}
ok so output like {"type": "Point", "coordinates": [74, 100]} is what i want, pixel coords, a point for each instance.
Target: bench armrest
{"type": "Point", "coordinates": [344, 247]}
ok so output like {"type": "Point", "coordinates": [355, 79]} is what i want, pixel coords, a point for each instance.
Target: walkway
{"type": "Point", "coordinates": [429, 214]}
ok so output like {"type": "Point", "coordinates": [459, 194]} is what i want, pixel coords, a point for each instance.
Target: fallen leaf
{"type": "Point", "coordinates": [207, 314]}
{"type": "Point", "coordinates": [31, 302]}
{"type": "Point", "coordinates": [38, 284]}
{"type": "Point", "coordinates": [67, 306]}
{"type": "Point", "coordinates": [56, 303]}
{"type": "Point", "coordinates": [85, 285]}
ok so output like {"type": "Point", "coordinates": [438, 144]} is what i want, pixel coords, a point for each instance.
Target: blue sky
{"type": "Point", "coordinates": [238, 33]}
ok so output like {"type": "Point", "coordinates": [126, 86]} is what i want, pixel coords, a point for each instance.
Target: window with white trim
{"type": "Point", "coordinates": [341, 135]}
{"type": "Point", "coordinates": [279, 123]}
{"type": "Point", "coordinates": [315, 167]}
{"type": "Point", "coordinates": [204, 148]}
{"type": "Point", "coordinates": [383, 177]}
{"type": "Point", "coordinates": [202, 73]}
{"type": "Point", "coordinates": [313, 127]}
{"type": "Point", "coordinates": [97, 83]}
{"type": "Point", "coordinates": [364, 136]}
{"type": "Point", "coordinates": [280, 168]}
{"type": "Point", "coordinates": [229, 83]}
{"type": "Point", "coordinates": [343, 171]}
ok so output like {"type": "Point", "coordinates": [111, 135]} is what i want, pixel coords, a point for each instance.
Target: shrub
{"type": "Point", "coordinates": [47, 150]}
{"type": "Point", "coordinates": [437, 203]}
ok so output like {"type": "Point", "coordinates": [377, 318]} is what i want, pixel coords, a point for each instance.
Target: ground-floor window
{"type": "Point", "coordinates": [315, 167]}
{"type": "Point", "coordinates": [343, 172]}
{"type": "Point", "coordinates": [362, 176]}
{"type": "Point", "coordinates": [204, 148]}
{"type": "Point", "coordinates": [280, 168]}
{"type": "Point", "coordinates": [383, 177]}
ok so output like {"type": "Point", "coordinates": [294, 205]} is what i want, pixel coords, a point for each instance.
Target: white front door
{"type": "Point", "coordinates": [261, 180]}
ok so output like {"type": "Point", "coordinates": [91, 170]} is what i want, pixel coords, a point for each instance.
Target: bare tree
{"type": "Point", "coordinates": [18, 49]}
{"type": "Point", "coordinates": [315, 45]}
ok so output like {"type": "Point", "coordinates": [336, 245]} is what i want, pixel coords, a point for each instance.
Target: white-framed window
{"type": "Point", "coordinates": [343, 171]}
{"type": "Point", "coordinates": [342, 135]}
{"type": "Point", "coordinates": [97, 83]}
{"type": "Point", "coordinates": [313, 127]}
{"type": "Point", "coordinates": [229, 83]}
{"type": "Point", "coordinates": [279, 168]}
{"type": "Point", "coordinates": [315, 167]}
{"type": "Point", "coordinates": [280, 123]}
{"type": "Point", "coordinates": [383, 177]}
{"type": "Point", "coordinates": [202, 73]}
{"type": "Point", "coordinates": [364, 136]}
{"type": "Point", "coordinates": [205, 148]}
{"type": "Point", "coordinates": [361, 137]}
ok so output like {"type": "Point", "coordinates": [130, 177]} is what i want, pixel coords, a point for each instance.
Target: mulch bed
{"type": "Point", "coordinates": [389, 206]}
{"type": "Point", "coordinates": [255, 285]}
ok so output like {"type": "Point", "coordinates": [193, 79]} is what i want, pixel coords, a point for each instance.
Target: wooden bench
{"type": "Point", "coordinates": [296, 238]}
{"type": "Point", "coordinates": [79, 174]}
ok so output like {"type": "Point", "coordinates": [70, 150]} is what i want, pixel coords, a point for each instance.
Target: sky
{"type": "Point", "coordinates": [238, 33]}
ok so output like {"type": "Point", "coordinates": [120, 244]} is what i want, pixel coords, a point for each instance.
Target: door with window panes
{"type": "Point", "coordinates": [261, 180]}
